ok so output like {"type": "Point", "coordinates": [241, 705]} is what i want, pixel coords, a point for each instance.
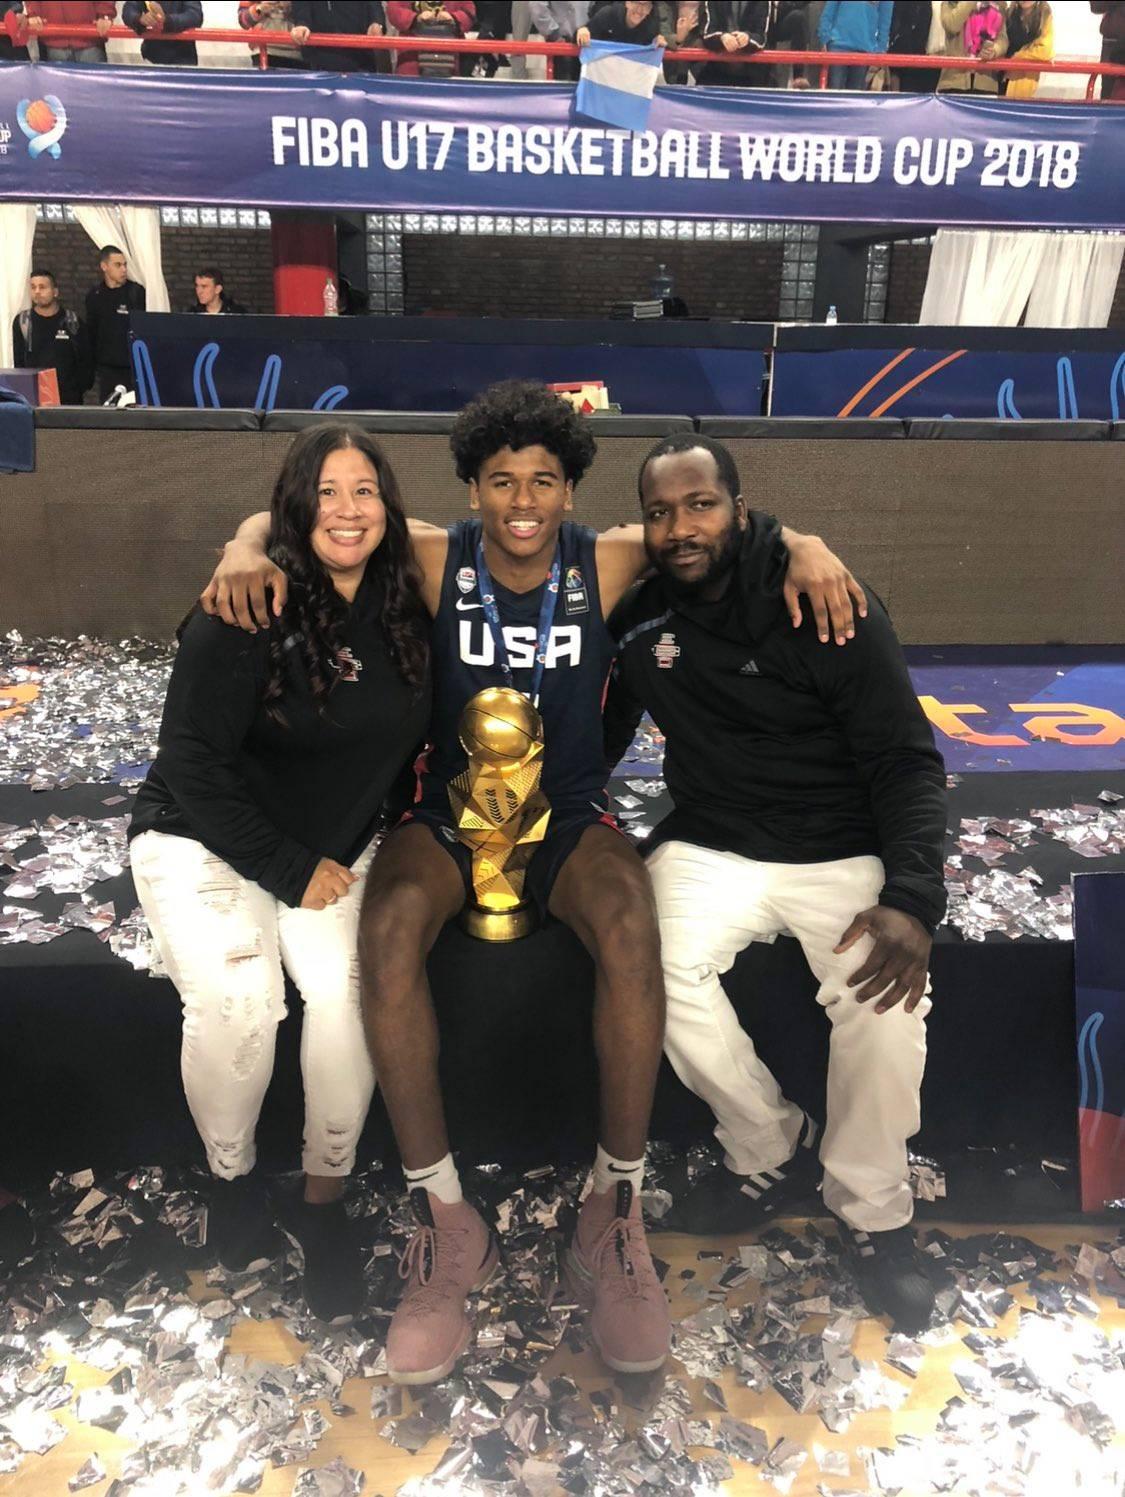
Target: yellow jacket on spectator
{"type": "Point", "coordinates": [953, 19]}
{"type": "Point", "coordinates": [1040, 48]}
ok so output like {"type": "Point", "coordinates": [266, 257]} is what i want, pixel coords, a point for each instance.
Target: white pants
{"type": "Point", "coordinates": [711, 906]}
{"type": "Point", "coordinates": [223, 941]}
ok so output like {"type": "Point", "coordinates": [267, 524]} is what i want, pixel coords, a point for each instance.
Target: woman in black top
{"type": "Point", "coordinates": [253, 830]}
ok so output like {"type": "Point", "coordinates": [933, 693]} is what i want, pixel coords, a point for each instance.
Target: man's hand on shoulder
{"type": "Point", "coordinates": [830, 588]}
{"type": "Point", "coordinates": [621, 559]}
{"type": "Point", "coordinates": [238, 587]}
{"type": "Point", "coordinates": [897, 964]}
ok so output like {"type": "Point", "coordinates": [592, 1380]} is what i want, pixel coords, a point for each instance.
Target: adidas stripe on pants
{"type": "Point", "coordinates": [711, 906]}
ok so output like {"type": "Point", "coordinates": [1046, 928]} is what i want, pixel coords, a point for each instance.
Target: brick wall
{"type": "Point", "coordinates": [536, 277]}
{"type": "Point", "coordinates": [243, 255]}
{"type": "Point", "coordinates": [1117, 312]}
{"type": "Point", "coordinates": [910, 265]}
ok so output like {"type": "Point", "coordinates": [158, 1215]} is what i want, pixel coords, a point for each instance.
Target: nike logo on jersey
{"type": "Point", "coordinates": [476, 646]}
{"type": "Point", "coordinates": [463, 607]}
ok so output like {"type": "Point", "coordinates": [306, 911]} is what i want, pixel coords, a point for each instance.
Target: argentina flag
{"type": "Point", "coordinates": [617, 83]}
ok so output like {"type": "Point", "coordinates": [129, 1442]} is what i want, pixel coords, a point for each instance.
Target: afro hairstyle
{"type": "Point", "coordinates": [520, 413]}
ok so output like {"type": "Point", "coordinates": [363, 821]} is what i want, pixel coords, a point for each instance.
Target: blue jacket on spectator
{"type": "Point", "coordinates": [856, 25]}
{"type": "Point", "coordinates": [179, 15]}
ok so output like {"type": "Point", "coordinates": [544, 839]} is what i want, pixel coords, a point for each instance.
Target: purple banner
{"type": "Point", "coordinates": [281, 139]}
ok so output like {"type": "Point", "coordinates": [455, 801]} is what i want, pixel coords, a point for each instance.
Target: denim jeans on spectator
{"type": "Point", "coordinates": [848, 77]}
{"type": "Point", "coordinates": [94, 53]}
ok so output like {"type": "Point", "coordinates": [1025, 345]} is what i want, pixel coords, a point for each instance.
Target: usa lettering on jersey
{"type": "Point", "coordinates": [476, 646]}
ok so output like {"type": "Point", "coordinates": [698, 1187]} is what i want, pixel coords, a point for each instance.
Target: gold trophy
{"type": "Point", "coordinates": [499, 810]}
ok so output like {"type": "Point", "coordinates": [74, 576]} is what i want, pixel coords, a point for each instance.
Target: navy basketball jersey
{"type": "Point", "coordinates": [579, 654]}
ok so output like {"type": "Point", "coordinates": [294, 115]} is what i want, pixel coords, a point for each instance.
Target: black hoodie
{"type": "Point", "coordinates": [778, 747]}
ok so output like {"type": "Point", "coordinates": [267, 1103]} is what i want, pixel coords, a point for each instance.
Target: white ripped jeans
{"type": "Point", "coordinates": [712, 905]}
{"type": "Point", "coordinates": [226, 944]}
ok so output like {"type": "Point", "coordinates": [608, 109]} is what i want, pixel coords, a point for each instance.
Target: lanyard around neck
{"type": "Point", "coordinates": [546, 618]}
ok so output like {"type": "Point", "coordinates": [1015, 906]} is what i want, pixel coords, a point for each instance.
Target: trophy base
{"type": "Point", "coordinates": [499, 925]}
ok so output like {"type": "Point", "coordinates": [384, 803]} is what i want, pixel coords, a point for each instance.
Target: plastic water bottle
{"type": "Point", "coordinates": [831, 320]}
{"type": "Point", "coordinates": [663, 285]}
{"type": "Point", "coordinates": [331, 299]}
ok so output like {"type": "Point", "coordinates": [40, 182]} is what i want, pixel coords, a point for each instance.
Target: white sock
{"type": "Point", "coordinates": [440, 1179]}
{"type": "Point", "coordinates": [609, 1172]}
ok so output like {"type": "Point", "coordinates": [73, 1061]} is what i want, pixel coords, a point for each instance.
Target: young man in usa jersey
{"type": "Point", "coordinates": [487, 581]}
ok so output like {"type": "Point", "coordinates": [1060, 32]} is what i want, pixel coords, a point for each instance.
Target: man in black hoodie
{"type": "Point", "coordinates": [107, 320]}
{"type": "Point", "coordinates": [809, 799]}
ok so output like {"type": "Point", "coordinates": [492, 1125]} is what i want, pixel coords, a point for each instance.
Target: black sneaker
{"type": "Point", "coordinates": [333, 1281]}
{"type": "Point", "coordinates": [724, 1202]}
{"type": "Point", "coordinates": [891, 1275]}
{"type": "Point", "coordinates": [240, 1224]}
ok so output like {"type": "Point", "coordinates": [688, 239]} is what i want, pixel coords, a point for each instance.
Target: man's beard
{"type": "Point", "coordinates": [722, 558]}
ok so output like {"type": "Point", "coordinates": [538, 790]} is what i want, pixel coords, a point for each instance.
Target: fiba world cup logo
{"type": "Point", "coordinates": [43, 122]}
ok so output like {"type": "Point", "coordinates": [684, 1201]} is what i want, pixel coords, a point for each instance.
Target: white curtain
{"type": "Point", "coordinates": [17, 230]}
{"type": "Point", "coordinates": [137, 230]}
{"type": "Point", "coordinates": [101, 222]}
{"type": "Point", "coordinates": [142, 243]}
{"type": "Point", "coordinates": [998, 277]}
{"type": "Point", "coordinates": [1077, 282]}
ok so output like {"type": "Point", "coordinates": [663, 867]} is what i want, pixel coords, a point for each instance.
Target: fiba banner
{"type": "Point", "coordinates": [282, 139]}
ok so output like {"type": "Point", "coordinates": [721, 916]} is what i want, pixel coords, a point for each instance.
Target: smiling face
{"type": "Point", "coordinates": [693, 525]}
{"type": "Point", "coordinates": [208, 291]}
{"type": "Point", "coordinates": [351, 520]}
{"type": "Point", "coordinates": [637, 11]}
{"type": "Point", "coordinates": [522, 497]}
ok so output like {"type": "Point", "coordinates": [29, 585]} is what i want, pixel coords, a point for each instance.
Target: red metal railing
{"type": "Point", "coordinates": [261, 41]}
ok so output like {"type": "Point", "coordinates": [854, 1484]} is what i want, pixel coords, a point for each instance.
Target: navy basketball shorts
{"type": "Point", "coordinates": [564, 831]}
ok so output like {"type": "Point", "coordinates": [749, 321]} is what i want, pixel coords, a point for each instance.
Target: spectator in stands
{"type": "Point", "coordinates": [966, 35]}
{"type": "Point", "coordinates": [560, 21]}
{"type": "Point", "coordinates": [98, 13]}
{"type": "Point", "coordinates": [494, 24]}
{"type": "Point", "coordinates": [1031, 38]}
{"type": "Point", "coordinates": [855, 26]}
{"type": "Point", "coordinates": [681, 24]}
{"type": "Point", "coordinates": [916, 31]}
{"type": "Point", "coordinates": [154, 21]}
{"type": "Point", "coordinates": [271, 16]}
{"type": "Point", "coordinates": [787, 30]}
{"type": "Point", "coordinates": [341, 18]}
{"type": "Point", "coordinates": [737, 26]}
{"type": "Point", "coordinates": [251, 836]}
{"type": "Point", "coordinates": [107, 320]}
{"type": "Point", "coordinates": [13, 32]}
{"type": "Point", "coordinates": [1112, 13]}
{"type": "Point", "coordinates": [210, 294]}
{"type": "Point", "coordinates": [437, 18]}
{"type": "Point", "coordinates": [47, 336]}
{"type": "Point", "coordinates": [634, 22]}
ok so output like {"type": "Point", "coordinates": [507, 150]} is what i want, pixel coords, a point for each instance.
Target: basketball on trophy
{"type": "Point", "coordinates": [499, 726]}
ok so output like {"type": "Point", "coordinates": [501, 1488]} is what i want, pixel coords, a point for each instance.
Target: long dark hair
{"type": "Point", "coordinates": [312, 625]}
{"type": "Point", "coordinates": [1023, 30]}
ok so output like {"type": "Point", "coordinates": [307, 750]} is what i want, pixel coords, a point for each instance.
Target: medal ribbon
{"type": "Point", "coordinates": [546, 618]}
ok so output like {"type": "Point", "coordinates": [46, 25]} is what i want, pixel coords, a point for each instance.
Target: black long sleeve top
{"type": "Point", "coordinates": [271, 799]}
{"type": "Point", "coordinates": [780, 748]}
{"type": "Point", "coordinates": [107, 321]}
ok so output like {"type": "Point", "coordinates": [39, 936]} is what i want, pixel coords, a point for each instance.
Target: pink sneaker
{"type": "Point", "coordinates": [610, 1268]}
{"type": "Point", "coordinates": [450, 1254]}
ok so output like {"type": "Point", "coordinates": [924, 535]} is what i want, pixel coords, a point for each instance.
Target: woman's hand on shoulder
{"type": "Point", "coordinates": [238, 587]}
